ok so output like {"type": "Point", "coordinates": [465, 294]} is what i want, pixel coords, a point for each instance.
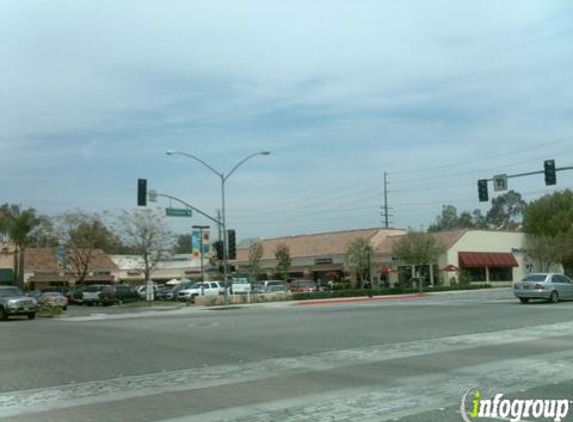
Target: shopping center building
{"type": "Point", "coordinates": [496, 257]}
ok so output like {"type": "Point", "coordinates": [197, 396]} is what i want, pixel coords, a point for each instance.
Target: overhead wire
{"type": "Point", "coordinates": [341, 204]}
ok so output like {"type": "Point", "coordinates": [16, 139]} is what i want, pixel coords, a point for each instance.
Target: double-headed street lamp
{"type": "Point", "coordinates": [223, 221]}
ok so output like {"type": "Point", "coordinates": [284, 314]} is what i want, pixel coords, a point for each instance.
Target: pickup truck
{"type": "Point", "coordinates": [14, 302]}
{"type": "Point", "coordinates": [207, 288]}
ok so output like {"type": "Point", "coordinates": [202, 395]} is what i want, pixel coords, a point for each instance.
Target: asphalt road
{"type": "Point", "coordinates": [407, 360]}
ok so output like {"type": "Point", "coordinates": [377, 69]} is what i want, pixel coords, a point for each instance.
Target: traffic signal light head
{"type": "Point", "coordinates": [482, 190]}
{"type": "Point", "coordinates": [142, 192]}
{"type": "Point", "coordinates": [218, 246]}
{"type": "Point", "coordinates": [549, 170]}
{"type": "Point", "coordinates": [232, 245]}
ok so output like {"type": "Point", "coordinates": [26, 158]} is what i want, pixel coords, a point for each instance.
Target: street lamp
{"type": "Point", "coordinates": [223, 221]}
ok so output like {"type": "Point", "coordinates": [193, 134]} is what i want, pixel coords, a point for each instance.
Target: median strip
{"type": "Point", "coordinates": [363, 299]}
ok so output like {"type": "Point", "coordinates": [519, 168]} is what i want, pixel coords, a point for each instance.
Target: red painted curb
{"type": "Point", "coordinates": [363, 299]}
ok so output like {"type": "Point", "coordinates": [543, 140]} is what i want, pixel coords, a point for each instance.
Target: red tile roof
{"type": "Point", "coordinates": [447, 238]}
{"type": "Point", "coordinates": [313, 245]}
{"type": "Point", "coordinates": [45, 259]}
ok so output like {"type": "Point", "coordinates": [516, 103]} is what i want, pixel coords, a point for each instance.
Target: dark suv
{"type": "Point", "coordinates": [117, 295]}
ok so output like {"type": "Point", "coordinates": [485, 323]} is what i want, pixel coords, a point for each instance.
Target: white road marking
{"type": "Point", "coordinates": [411, 396]}
{"type": "Point", "coordinates": [71, 395]}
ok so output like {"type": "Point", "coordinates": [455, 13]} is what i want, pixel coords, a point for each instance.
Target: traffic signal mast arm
{"type": "Point", "coordinates": [530, 173]}
{"type": "Point", "coordinates": [500, 181]}
{"type": "Point", "coordinates": [198, 211]}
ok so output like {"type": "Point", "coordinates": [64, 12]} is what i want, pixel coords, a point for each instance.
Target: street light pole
{"type": "Point", "coordinates": [223, 221]}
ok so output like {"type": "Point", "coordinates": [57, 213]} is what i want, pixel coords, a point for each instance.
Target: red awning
{"type": "Point", "coordinates": [486, 259]}
{"type": "Point", "coordinates": [386, 270]}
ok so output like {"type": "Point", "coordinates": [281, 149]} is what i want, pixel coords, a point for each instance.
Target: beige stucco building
{"type": "Point", "coordinates": [497, 257]}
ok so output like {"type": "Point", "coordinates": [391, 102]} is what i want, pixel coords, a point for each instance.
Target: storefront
{"type": "Point", "coordinates": [480, 256]}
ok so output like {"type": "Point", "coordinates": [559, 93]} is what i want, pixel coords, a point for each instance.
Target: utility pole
{"type": "Point", "coordinates": [385, 207]}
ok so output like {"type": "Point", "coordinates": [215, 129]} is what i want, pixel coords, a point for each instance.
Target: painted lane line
{"type": "Point", "coordinates": [71, 395]}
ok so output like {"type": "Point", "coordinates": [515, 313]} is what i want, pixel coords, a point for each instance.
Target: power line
{"type": "Point", "coordinates": [462, 163]}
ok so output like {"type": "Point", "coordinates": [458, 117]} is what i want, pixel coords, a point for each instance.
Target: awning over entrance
{"type": "Point", "coordinates": [486, 259]}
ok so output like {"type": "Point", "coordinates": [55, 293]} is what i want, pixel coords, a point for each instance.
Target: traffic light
{"type": "Point", "coordinates": [218, 246]}
{"type": "Point", "coordinates": [549, 170]}
{"type": "Point", "coordinates": [482, 190]}
{"type": "Point", "coordinates": [142, 192]}
{"type": "Point", "coordinates": [231, 244]}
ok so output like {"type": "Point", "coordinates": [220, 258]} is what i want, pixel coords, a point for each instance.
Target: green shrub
{"type": "Point", "coordinates": [48, 310]}
{"type": "Point", "coordinates": [382, 292]}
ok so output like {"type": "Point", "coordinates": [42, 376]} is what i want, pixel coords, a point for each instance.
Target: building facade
{"type": "Point", "coordinates": [47, 267]}
{"type": "Point", "coordinates": [179, 266]}
{"type": "Point", "coordinates": [481, 256]}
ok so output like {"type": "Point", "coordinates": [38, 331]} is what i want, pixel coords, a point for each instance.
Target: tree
{"type": "Point", "coordinates": [81, 234]}
{"type": "Point", "coordinates": [147, 234]}
{"type": "Point", "coordinates": [357, 257]}
{"type": "Point", "coordinates": [548, 221]}
{"type": "Point", "coordinates": [506, 210]}
{"type": "Point", "coordinates": [282, 255]}
{"type": "Point", "coordinates": [449, 220]}
{"type": "Point", "coordinates": [183, 244]}
{"type": "Point", "coordinates": [256, 252]}
{"type": "Point", "coordinates": [44, 235]}
{"type": "Point", "coordinates": [550, 215]}
{"type": "Point", "coordinates": [418, 248]}
{"type": "Point", "coordinates": [18, 226]}
{"type": "Point", "coordinates": [478, 219]}
{"type": "Point", "coordinates": [545, 249]}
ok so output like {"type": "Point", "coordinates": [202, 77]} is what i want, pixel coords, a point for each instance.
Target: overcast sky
{"type": "Point", "coordinates": [437, 94]}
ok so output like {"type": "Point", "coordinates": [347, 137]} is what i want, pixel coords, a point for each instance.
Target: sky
{"type": "Point", "coordinates": [435, 94]}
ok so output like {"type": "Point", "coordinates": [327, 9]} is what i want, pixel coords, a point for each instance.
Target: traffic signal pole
{"type": "Point", "coordinates": [549, 171]}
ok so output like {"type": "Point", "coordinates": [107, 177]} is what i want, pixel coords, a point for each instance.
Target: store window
{"type": "Point", "coordinates": [476, 274]}
{"type": "Point", "coordinates": [500, 274]}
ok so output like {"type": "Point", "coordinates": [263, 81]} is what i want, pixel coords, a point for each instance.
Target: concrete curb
{"type": "Point", "coordinates": [364, 299]}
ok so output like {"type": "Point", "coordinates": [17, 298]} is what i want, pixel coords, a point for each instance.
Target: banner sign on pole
{"type": "Point", "coordinates": [206, 243]}
{"type": "Point", "coordinates": [196, 243]}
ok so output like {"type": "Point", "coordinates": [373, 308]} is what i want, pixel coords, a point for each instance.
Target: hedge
{"type": "Point", "coordinates": [382, 292]}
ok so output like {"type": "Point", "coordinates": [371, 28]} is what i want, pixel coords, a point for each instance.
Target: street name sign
{"type": "Point", "coordinates": [500, 182]}
{"type": "Point", "coordinates": [178, 212]}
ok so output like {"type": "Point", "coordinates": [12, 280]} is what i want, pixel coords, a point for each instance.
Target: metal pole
{"type": "Point", "coordinates": [201, 250]}
{"type": "Point", "coordinates": [386, 223]}
{"type": "Point", "coordinates": [225, 250]}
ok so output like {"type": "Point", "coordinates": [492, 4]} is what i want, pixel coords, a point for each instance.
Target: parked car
{"type": "Point", "coordinates": [64, 290]}
{"type": "Point", "coordinates": [90, 294]}
{"type": "Point", "coordinates": [53, 299]}
{"type": "Point", "coordinates": [118, 294]}
{"type": "Point", "coordinates": [258, 288]}
{"type": "Point", "coordinates": [76, 296]}
{"type": "Point", "coordinates": [164, 293]}
{"type": "Point", "coordinates": [142, 291]}
{"type": "Point", "coordinates": [207, 288]}
{"type": "Point", "coordinates": [552, 287]}
{"type": "Point", "coordinates": [270, 286]}
{"type": "Point", "coordinates": [14, 302]}
{"type": "Point", "coordinates": [277, 288]}
{"type": "Point", "coordinates": [181, 286]}
{"type": "Point", "coordinates": [302, 286]}
{"type": "Point", "coordinates": [34, 295]}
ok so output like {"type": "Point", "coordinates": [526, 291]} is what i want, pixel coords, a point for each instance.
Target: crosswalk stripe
{"type": "Point", "coordinates": [70, 395]}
